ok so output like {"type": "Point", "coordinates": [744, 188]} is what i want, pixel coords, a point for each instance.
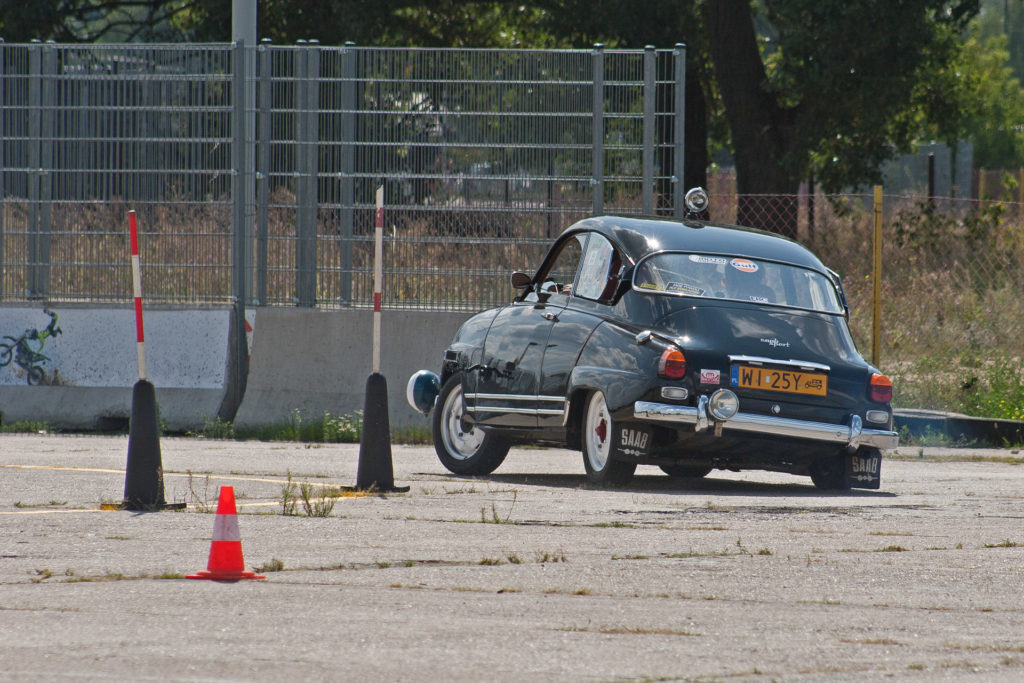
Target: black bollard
{"type": "Point", "coordinates": [144, 476]}
{"type": "Point", "coordinates": [375, 469]}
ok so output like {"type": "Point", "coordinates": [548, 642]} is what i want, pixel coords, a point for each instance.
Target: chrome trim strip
{"type": "Point", "coordinates": [562, 410]}
{"type": "Point", "coordinates": [501, 409]}
{"type": "Point", "coordinates": [852, 435]}
{"type": "Point", "coordinates": [501, 397]}
{"type": "Point", "coordinates": [760, 360]}
{"type": "Point", "coordinates": [514, 397]}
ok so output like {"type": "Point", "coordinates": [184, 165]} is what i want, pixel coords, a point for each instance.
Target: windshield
{"type": "Point", "coordinates": [739, 279]}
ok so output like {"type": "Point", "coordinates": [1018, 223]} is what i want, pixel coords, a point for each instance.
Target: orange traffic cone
{"type": "Point", "coordinates": [226, 563]}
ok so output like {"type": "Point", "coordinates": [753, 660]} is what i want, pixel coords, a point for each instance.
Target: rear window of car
{"type": "Point", "coordinates": [754, 281]}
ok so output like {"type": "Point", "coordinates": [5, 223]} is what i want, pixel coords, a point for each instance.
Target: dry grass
{"type": "Point", "coordinates": [952, 311]}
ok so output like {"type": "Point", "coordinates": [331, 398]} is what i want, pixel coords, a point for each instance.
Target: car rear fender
{"type": "Point", "coordinates": [618, 363]}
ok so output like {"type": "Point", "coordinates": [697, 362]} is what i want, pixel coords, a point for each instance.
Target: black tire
{"type": "Point", "coordinates": [6, 354]}
{"type": "Point", "coordinates": [684, 472]}
{"type": "Point", "coordinates": [36, 375]}
{"type": "Point", "coordinates": [829, 473]}
{"type": "Point", "coordinates": [472, 453]}
{"type": "Point", "coordinates": [598, 431]}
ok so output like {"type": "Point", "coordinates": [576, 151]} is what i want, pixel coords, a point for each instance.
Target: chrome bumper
{"type": "Point", "coordinates": [852, 435]}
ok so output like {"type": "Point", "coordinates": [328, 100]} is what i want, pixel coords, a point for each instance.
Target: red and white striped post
{"type": "Point", "coordinates": [378, 275]}
{"type": "Point", "coordinates": [143, 476]}
{"type": "Point", "coordinates": [137, 289]}
{"type": "Point", "coordinates": [375, 472]}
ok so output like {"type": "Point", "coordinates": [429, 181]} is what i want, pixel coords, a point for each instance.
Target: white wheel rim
{"type": "Point", "coordinates": [460, 444]}
{"type": "Point", "coordinates": [599, 433]}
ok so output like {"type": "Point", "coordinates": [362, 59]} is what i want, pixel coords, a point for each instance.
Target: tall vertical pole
{"type": "Point", "coordinates": [647, 163]}
{"type": "Point", "coordinates": [266, 65]}
{"type": "Point", "coordinates": [679, 134]}
{"type": "Point", "coordinates": [307, 112]}
{"type": "Point", "coordinates": [876, 314]}
{"type": "Point", "coordinates": [348, 165]}
{"type": "Point", "coordinates": [35, 134]}
{"type": "Point", "coordinates": [597, 179]}
{"type": "Point", "coordinates": [243, 31]}
{"type": "Point", "coordinates": [239, 222]}
{"type": "Point", "coordinates": [3, 164]}
{"type": "Point", "coordinates": [378, 274]}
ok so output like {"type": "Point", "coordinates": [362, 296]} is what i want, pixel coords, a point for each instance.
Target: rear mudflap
{"type": "Point", "coordinates": [864, 469]}
{"type": "Point", "coordinates": [632, 441]}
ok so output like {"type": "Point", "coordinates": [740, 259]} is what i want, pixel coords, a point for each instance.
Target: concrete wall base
{"type": "Point", "coordinates": [89, 408]}
{"type": "Point", "coordinates": [318, 362]}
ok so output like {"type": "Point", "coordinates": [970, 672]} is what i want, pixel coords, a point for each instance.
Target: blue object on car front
{"type": "Point", "coordinates": [422, 390]}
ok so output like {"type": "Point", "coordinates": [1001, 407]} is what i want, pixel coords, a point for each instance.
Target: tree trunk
{"type": "Point", "coordinates": [767, 179]}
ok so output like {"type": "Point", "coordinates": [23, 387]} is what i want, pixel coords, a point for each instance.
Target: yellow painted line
{"type": "Point", "coordinates": [212, 507]}
{"type": "Point", "coordinates": [193, 475]}
{"type": "Point", "coordinates": [48, 512]}
{"type": "Point", "coordinates": [60, 467]}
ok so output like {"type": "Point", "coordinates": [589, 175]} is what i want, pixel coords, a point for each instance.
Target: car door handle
{"type": "Point", "coordinates": [547, 315]}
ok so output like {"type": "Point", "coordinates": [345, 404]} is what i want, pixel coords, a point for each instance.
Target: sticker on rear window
{"type": "Point", "coordinates": [684, 288]}
{"type": "Point", "coordinates": [743, 265]}
{"type": "Point", "coordinates": [715, 260]}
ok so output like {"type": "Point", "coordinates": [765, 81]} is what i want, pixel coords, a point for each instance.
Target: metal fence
{"type": "Point", "coordinates": [253, 170]}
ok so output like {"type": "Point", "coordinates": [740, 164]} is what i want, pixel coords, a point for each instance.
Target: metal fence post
{"type": "Point", "coordinates": [48, 129]}
{"type": "Point", "coordinates": [597, 179]}
{"type": "Point", "coordinates": [348, 138]}
{"type": "Point", "coordinates": [265, 57]}
{"type": "Point", "coordinates": [3, 165]}
{"type": "Point", "coordinates": [876, 278]}
{"type": "Point", "coordinates": [308, 111]}
{"type": "Point", "coordinates": [41, 66]}
{"type": "Point", "coordinates": [679, 143]}
{"type": "Point", "coordinates": [650, 98]}
{"type": "Point", "coordinates": [239, 228]}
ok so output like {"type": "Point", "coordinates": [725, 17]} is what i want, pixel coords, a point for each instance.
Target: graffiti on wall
{"type": "Point", "coordinates": [26, 350]}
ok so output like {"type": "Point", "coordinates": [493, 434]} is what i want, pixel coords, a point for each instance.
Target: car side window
{"type": "Point", "coordinates": [599, 269]}
{"type": "Point", "coordinates": [560, 276]}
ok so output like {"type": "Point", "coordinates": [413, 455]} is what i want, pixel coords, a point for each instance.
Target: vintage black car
{"type": "Point", "coordinates": [682, 344]}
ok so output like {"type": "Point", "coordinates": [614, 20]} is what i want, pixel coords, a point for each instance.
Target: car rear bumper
{"type": "Point", "coordinates": [852, 435]}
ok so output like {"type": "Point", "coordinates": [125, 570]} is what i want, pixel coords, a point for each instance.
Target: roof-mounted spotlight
{"type": "Point", "coordinates": [697, 201]}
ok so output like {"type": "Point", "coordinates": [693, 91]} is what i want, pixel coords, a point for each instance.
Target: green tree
{"type": "Point", "coordinates": [833, 89]}
{"type": "Point", "coordinates": [90, 21]}
{"type": "Point", "coordinates": [993, 113]}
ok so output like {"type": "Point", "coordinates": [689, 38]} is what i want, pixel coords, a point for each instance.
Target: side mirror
{"type": "Point", "coordinates": [520, 280]}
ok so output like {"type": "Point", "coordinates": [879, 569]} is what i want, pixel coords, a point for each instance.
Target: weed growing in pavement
{"type": "Point", "coordinates": [1005, 544]}
{"type": "Point", "coordinates": [42, 575]}
{"type": "Point", "coordinates": [317, 502]}
{"type": "Point", "coordinates": [272, 565]}
{"type": "Point", "coordinates": [545, 557]}
{"type": "Point", "coordinates": [289, 498]}
{"type": "Point", "coordinates": [199, 500]}
{"type": "Point", "coordinates": [495, 518]}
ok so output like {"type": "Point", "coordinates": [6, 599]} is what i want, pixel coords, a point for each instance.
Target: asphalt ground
{"type": "Point", "coordinates": [527, 574]}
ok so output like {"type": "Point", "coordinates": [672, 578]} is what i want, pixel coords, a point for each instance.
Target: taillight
{"type": "Point", "coordinates": [881, 388]}
{"type": "Point", "coordinates": [672, 364]}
